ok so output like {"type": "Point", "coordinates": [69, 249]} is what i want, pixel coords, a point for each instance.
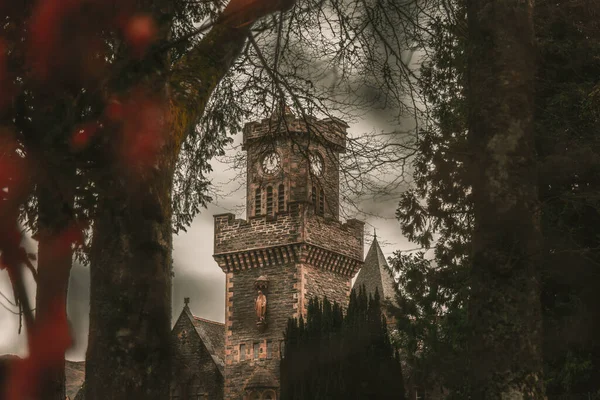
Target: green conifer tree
{"type": "Point", "coordinates": [334, 356]}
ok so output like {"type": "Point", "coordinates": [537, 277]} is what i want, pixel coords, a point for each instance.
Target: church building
{"type": "Point", "coordinates": [291, 247]}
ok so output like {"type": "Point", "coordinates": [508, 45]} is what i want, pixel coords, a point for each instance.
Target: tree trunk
{"type": "Point", "coordinates": [55, 196]}
{"type": "Point", "coordinates": [504, 310]}
{"type": "Point", "coordinates": [128, 355]}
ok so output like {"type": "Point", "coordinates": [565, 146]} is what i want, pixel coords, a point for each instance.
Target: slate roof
{"type": "Point", "coordinates": [212, 335]}
{"type": "Point", "coordinates": [376, 274]}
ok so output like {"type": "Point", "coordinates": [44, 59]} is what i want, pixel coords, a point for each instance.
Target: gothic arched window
{"type": "Point", "coordinates": [257, 204]}
{"type": "Point", "coordinates": [268, 395]}
{"type": "Point", "coordinates": [269, 200]}
{"type": "Point", "coordinates": [281, 198]}
{"type": "Point", "coordinates": [313, 196]}
{"type": "Point", "coordinates": [321, 202]}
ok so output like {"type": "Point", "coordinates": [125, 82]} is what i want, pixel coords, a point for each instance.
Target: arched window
{"type": "Point", "coordinates": [255, 395]}
{"type": "Point", "coordinates": [242, 352]}
{"type": "Point", "coordinates": [257, 204]}
{"type": "Point", "coordinates": [268, 395]}
{"type": "Point", "coordinates": [321, 202]}
{"type": "Point", "coordinates": [269, 200]}
{"type": "Point", "coordinates": [281, 198]}
{"type": "Point", "coordinates": [313, 196]}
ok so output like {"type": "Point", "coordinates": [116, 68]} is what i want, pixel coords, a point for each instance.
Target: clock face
{"type": "Point", "coordinates": [316, 164]}
{"type": "Point", "coordinates": [271, 163]}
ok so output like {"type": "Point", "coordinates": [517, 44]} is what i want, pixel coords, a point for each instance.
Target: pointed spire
{"type": "Point", "coordinates": [375, 273]}
{"type": "Point", "coordinates": [186, 301]}
{"type": "Point", "coordinates": [374, 233]}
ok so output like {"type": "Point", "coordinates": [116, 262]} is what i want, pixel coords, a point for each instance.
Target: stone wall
{"type": "Point", "coordinates": [321, 283]}
{"type": "Point", "coordinates": [234, 235]}
{"type": "Point", "coordinates": [325, 130]}
{"type": "Point", "coordinates": [241, 326]}
{"type": "Point", "coordinates": [193, 368]}
{"type": "Point", "coordinates": [300, 226]}
{"type": "Point", "coordinates": [346, 239]}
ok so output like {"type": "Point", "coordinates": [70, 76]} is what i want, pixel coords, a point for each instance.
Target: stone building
{"type": "Point", "coordinates": [198, 352]}
{"type": "Point", "coordinates": [290, 248]}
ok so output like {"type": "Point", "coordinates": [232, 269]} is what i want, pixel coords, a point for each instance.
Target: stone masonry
{"type": "Point", "coordinates": [299, 247]}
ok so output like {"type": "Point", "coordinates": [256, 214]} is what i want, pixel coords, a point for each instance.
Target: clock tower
{"type": "Point", "coordinates": [290, 248]}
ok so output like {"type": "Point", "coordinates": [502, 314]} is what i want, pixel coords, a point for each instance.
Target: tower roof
{"type": "Point", "coordinates": [376, 274]}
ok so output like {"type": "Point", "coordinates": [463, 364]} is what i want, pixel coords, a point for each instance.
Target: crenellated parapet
{"type": "Point", "coordinates": [290, 237]}
{"type": "Point", "coordinates": [331, 131]}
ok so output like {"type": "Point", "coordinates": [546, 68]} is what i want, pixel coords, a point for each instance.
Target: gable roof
{"type": "Point", "coordinates": [212, 334]}
{"type": "Point", "coordinates": [376, 274]}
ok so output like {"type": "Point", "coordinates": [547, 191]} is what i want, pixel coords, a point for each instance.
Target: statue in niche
{"type": "Point", "coordinates": [260, 304]}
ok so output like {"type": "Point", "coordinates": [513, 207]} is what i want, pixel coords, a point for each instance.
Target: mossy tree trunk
{"type": "Point", "coordinates": [128, 354]}
{"type": "Point", "coordinates": [505, 314]}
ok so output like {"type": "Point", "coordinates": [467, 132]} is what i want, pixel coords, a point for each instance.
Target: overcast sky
{"type": "Point", "coordinates": [196, 274]}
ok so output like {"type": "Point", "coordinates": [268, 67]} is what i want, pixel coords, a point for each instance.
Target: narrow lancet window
{"type": "Point", "coordinates": [313, 196]}
{"type": "Point", "coordinates": [281, 198]}
{"type": "Point", "coordinates": [321, 202]}
{"type": "Point", "coordinates": [269, 200]}
{"type": "Point", "coordinates": [242, 352]}
{"type": "Point", "coordinates": [257, 204]}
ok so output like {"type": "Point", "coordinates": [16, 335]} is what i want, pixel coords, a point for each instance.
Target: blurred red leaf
{"type": "Point", "coordinates": [48, 343]}
{"type": "Point", "coordinates": [13, 170]}
{"type": "Point", "coordinates": [140, 31]}
{"type": "Point", "coordinates": [82, 135]}
{"type": "Point", "coordinates": [7, 91]}
{"type": "Point", "coordinates": [114, 110]}
{"type": "Point", "coordinates": [62, 243]}
{"type": "Point", "coordinates": [141, 116]}
{"type": "Point", "coordinates": [45, 33]}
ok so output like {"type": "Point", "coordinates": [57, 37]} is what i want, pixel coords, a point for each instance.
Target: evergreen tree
{"type": "Point", "coordinates": [334, 356]}
{"type": "Point", "coordinates": [434, 292]}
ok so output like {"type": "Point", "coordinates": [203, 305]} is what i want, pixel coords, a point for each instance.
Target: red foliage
{"type": "Point", "coordinates": [140, 31]}
{"type": "Point", "coordinates": [114, 111]}
{"type": "Point", "coordinates": [141, 118]}
{"type": "Point", "coordinates": [46, 25]}
{"type": "Point", "coordinates": [48, 343]}
{"type": "Point", "coordinates": [13, 173]}
{"type": "Point", "coordinates": [62, 242]}
{"type": "Point", "coordinates": [82, 136]}
{"type": "Point", "coordinates": [7, 92]}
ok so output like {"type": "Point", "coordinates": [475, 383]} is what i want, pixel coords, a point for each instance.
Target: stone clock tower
{"type": "Point", "coordinates": [291, 247]}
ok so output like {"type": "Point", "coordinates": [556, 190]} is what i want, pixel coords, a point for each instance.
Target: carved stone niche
{"type": "Point", "coordinates": [260, 304]}
{"type": "Point", "coordinates": [262, 283]}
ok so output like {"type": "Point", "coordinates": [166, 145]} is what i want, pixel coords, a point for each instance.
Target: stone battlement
{"type": "Point", "coordinates": [329, 130]}
{"type": "Point", "coordinates": [299, 226]}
